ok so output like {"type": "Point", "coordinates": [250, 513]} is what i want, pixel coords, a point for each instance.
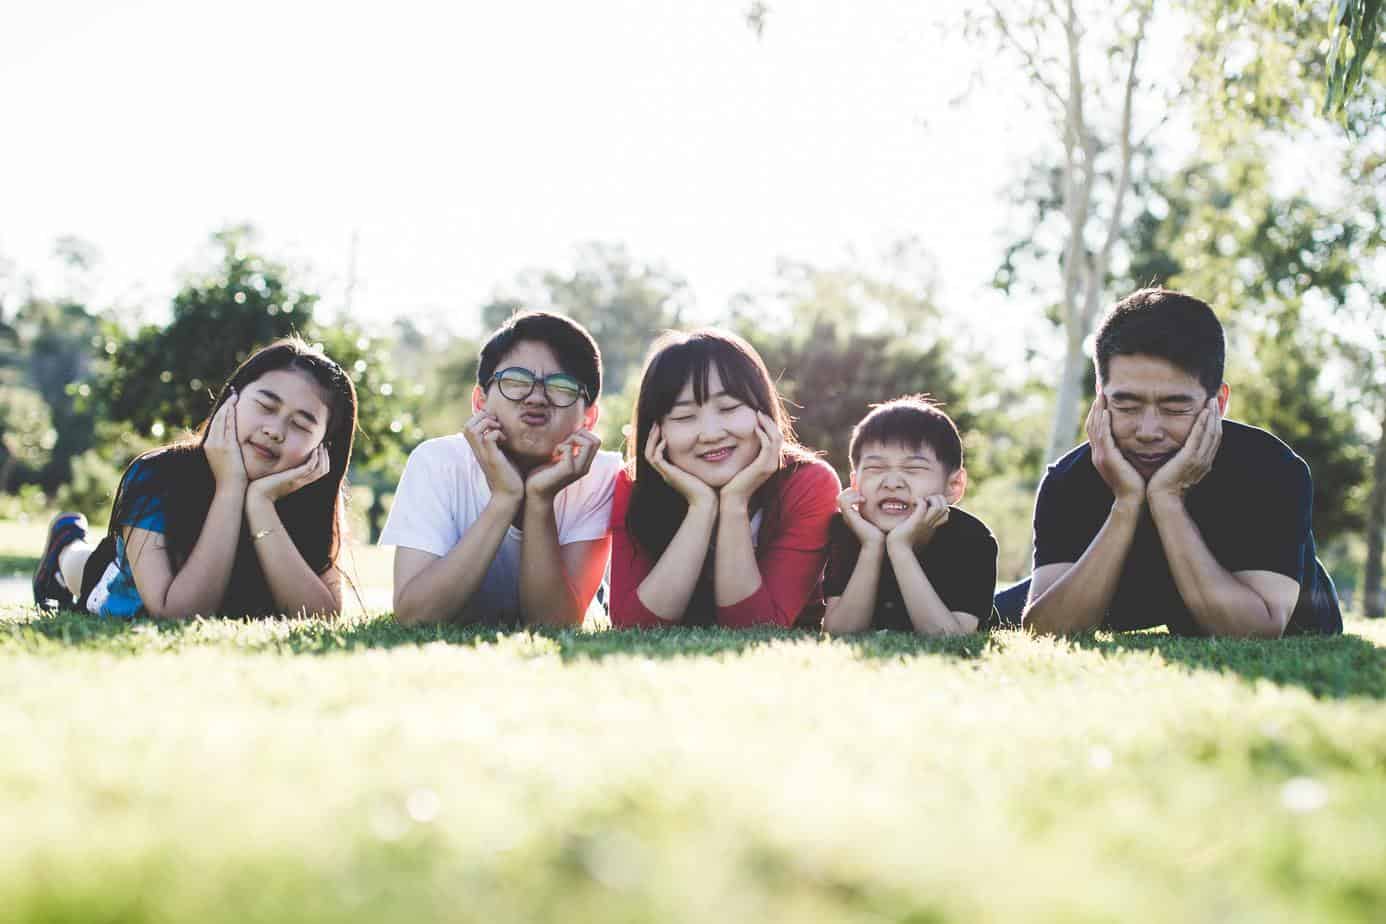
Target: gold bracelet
{"type": "Point", "coordinates": [263, 533]}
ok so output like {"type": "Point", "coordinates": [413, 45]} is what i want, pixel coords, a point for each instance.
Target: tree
{"type": "Point", "coordinates": [1062, 50]}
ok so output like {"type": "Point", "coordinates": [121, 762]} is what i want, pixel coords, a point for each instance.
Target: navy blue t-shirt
{"type": "Point", "coordinates": [1254, 510]}
{"type": "Point", "coordinates": [959, 561]}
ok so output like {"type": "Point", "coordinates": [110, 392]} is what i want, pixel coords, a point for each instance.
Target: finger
{"type": "Point", "coordinates": [651, 443]}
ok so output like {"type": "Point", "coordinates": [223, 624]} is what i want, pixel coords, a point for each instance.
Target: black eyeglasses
{"type": "Point", "coordinates": [517, 383]}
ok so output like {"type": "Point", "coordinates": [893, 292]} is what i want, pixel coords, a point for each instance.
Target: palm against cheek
{"type": "Point", "coordinates": [689, 486]}
{"type": "Point", "coordinates": [923, 522]}
{"type": "Point", "coordinates": [1194, 459]}
{"type": "Point", "coordinates": [223, 446]}
{"type": "Point", "coordinates": [571, 460]}
{"type": "Point", "coordinates": [849, 504]}
{"type": "Point", "coordinates": [282, 484]}
{"type": "Point", "coordinates": [1119, 474]}
{"type": "Point", "coordinates": [764, 465]}
{"type": "Point", "coordinates": [484, 435]}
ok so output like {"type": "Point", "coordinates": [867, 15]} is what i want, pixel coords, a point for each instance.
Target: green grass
{"type": "Point", "coordinates": [362, 771]}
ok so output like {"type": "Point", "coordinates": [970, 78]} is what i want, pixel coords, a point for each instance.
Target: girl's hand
{"type": "Point", "coordinates": [223, 446]}
{"type": "Point", "coordinates": [867, 533]}
{"type": "Point", "coordinates": [484, 435]}
{"type": "Point", "coordinates": [919, 527]}
{"type": "Point", "coordinates": [691, 487]}
{"type": "Point", "coordinates": [281, 484]}
{"type": "Point", "coordinates": [762, 467]}
{"type": "Point", "coordinates": [571, 460]}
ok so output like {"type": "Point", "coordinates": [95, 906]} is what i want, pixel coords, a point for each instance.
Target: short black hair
{"type": "Point", "coordinates": [576, 350]}
{"type": "Point", "coordinates": [912, 420]}
{"type": "Point", "coordinates": [1168, 325]}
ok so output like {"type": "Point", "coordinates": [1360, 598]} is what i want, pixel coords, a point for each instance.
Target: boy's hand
{"type": "Point", "coordinates": [484, 435]}
{"type": "Point", "coordinates": [924, 521]}
{"type": "Point", "coordinates": [849, 505]}
{"type": "Point", "coordinates": [571, 460]}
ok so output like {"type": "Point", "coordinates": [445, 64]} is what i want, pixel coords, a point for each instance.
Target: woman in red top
{"type": "Point", "coordinates": [721, 517]}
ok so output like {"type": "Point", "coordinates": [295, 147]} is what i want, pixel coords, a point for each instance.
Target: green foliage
{"type": "Point", "coordinates": [165, 378]}
{"type": "Point", "coordinates": [1356, 27]}
{"type": "Point", "coordinates": [27, 436]}
{"type": "Point", "coordinates": [91, 487]}
{"type": "Point", "coordinates": [292, 770]}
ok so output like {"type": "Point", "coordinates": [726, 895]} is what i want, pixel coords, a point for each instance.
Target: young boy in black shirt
{"type": "Point", "coordinates": [900, 556]}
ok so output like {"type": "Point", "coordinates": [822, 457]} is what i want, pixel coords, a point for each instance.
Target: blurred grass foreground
{"type": "Point", "coordinates": [364, 771]}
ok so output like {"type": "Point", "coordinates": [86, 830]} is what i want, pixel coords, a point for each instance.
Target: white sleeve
{"type": "Point", "coordinates": [421, 515]}
{"type": "Point", "coordinates": [587, 513]}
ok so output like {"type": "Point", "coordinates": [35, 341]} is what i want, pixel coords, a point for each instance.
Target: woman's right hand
{"type": "Point", "coordinates": [223, 446]}
{"type": "Point", "coordinates": [691, 487]}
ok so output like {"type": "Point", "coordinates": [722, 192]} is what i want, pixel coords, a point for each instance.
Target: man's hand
{"type": "Point", "coordinates": [918, 529]}
{"type": "Point", "coordinates": [1193, 461]}
{"type": "Point", "coordinates": [867, 533]}
{"type": "Point", "coordinates": [690, 487]}
{"type": "Point", "coordinates": [762, 467]}
{"type": "Point", "coordinates": [483, 433]}
{"type": "Point", "coordinates": [572, 459]}
{"type": "Point", "coordinates": [281, 484]}
{"type": "Point", "coordinates": [1128, 487]}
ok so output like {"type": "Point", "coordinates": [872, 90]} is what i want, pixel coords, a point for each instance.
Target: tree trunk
{"type": "Point", "coordinates": [375, 513]}
{"type": "Point", "coordinates": [1373, 594]}
{"type": "Point", "coordinates": [1066, 406]}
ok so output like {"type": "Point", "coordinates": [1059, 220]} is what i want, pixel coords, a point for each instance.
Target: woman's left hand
{"type": "Point", "coordinates": [762, 467]}
{"type": "Point", "coordinates": [281, 484]}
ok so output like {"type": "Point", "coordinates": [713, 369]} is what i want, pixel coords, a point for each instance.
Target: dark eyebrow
{"type": "Point", "coordinates": [278, 400]}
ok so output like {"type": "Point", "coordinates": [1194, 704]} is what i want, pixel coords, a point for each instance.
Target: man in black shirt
{"type": "Point", "coordinates": [1170, 515]}
{"type": "Point", "coordinates": [900, 557]}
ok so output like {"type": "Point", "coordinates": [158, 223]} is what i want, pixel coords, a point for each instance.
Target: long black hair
{"type": "Point", "coordinates": [675, 360]}
{"type": "Point", "coordinates": [181, 477]}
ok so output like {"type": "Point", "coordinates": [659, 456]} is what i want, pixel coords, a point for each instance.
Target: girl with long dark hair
{"type": "Point", "coordinates": [243, 518]}
{"type": "Point", "coordinates": [721, 517]}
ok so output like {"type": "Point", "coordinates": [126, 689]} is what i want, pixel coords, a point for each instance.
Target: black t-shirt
{"type": "Point", "coordinates": [1254, 510]}
{"type": "Point", "coordinates": [959, 561]}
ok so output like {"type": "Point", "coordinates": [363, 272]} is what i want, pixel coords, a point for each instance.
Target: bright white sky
{"type": "Point", "coordinates": [468, 141]}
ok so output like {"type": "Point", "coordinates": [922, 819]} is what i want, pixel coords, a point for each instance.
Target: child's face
{"type": "Point", "coordinates": [281, 417]}
{"type": "Point", "coordinates": [712, 441]}
{"type": "Point", "coordinates": [533, 426]}
{"type": "Point", "coordinates": [892, 479]}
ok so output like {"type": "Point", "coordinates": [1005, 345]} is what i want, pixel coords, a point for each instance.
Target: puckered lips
{"type": "Point", "coordinates": [534, 418]}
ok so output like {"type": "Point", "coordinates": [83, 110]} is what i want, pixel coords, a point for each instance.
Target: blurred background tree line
{"type": "Point", "coordinates": [1141, 185]}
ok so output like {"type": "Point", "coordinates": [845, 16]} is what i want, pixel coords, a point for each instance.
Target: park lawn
{"type": "Point", "coordinates": [362, 771]}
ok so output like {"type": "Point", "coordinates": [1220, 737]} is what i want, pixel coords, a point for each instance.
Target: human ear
{"type": "Point", "coordinates": [956, 486]}
{"type": "Point", "coordinates": [478, 399]}
{"type": "Point", "coordinates": [589, 416]}
{"type": "Point", "coordinates": [1224, 397]}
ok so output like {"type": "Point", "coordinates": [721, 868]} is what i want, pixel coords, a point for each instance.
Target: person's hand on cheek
{"type": "Point", "coordinates": [277, 485]}
{"type": "Point", "coordinates": [692, 488]}
{"type": "Point", "coordinates": [762, 467]}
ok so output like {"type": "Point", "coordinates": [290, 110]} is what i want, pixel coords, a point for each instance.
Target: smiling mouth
{"type": "Point", "coordinates": [894, 506]}
{"type": "Point", "coordinates": [263, 453]}
{"type": "Point", "coordinates": [717, 455]}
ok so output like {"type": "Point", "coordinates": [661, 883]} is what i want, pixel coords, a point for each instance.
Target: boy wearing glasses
{"type": "Point", "coordinates": [899, 556]}
{"type": "Point", "coordinates": [506, 523]}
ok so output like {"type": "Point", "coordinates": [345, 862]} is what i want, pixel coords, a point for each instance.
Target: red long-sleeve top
{"type": "Point", "coordinates": [790, 553]}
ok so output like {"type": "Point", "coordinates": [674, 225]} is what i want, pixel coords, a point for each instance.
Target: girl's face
{"type": "Point", "coordinates": [712, 441]}
{"type": "Point", "coordinates": [281, 417]}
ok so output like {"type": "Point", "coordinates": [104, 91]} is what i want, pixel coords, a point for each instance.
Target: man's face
{"type": "Point", "coordinates": [533, 426]}
{"type": "Point", "coordinates": [1154, 404]}
{"type": "Point", "coordinates": [893, 479]}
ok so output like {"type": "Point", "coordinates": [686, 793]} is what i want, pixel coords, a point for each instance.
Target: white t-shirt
{"type": "Point", "coordinates": [442, 493]}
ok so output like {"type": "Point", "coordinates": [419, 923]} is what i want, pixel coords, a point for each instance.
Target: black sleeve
{"type": "Point", "coordinates": [1059, 534]}
{"type": "Point", "coordinates": [1276, 511]}
{"type": "Point", "coordinates": [965, 579]}
{"type": "Point", "coordinates": [842, 557]}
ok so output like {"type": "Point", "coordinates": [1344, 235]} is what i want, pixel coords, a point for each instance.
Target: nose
{"type": "Point", "coordinates": [1148, 427]}
{"type": "Point", "coordinates": [537, 396]}
{"type": "Point", "coordinates": [273, 433]}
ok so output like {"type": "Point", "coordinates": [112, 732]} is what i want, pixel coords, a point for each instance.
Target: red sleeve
{"type": "Point", "coordinates": [791, 559]}
{"type": "Point", "coordinates": [629, 566]}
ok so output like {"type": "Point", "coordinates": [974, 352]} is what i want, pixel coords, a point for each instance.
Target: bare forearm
{"type": "Point", "coordinates": [200, 585]}
{"type": "Point", "coordinates": [296, 588]}
{"type": "Point", "coordinates": [547, 595]}
{"type": "Point", "coordinates": [928, 613]}
{"type": "Point", "coordinates": [669, 586]}
{"type": "Point", "coordinates": [440, 590]}
{"type": "Point", "coordinates": [852, 611]}
{"type": "Point", "coordinates": [1078, 601]}
{"type": "Point", "coordinates": [1219, 602]}
{"type": "Point", "coordinates": [736, 574]}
